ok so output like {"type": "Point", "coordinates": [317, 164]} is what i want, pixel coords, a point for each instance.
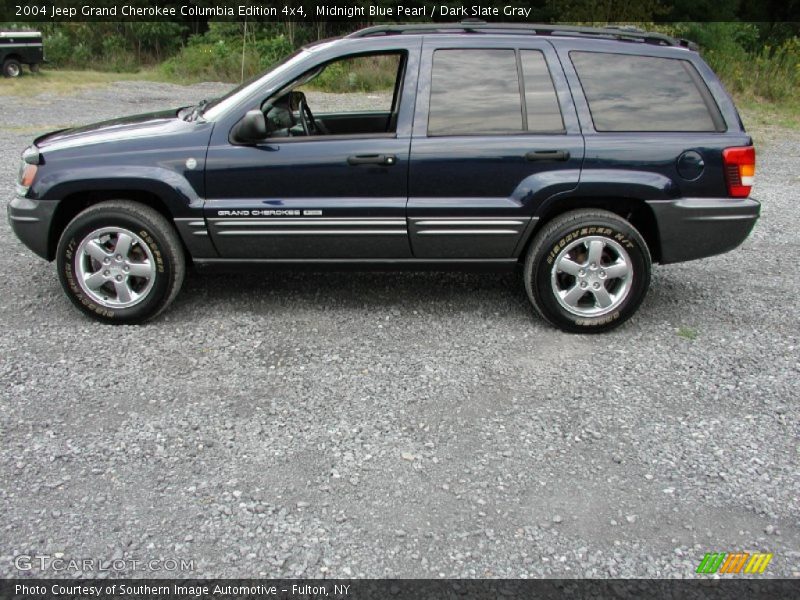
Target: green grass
{"type": "Point", "coordinates": [689, 333]}
{"type": "Point", "coordinates": [65, 83]}
{"type": "Point", "coordinates": [762, 118]}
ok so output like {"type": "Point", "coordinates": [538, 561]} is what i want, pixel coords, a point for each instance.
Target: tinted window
{"type": "Point", "coordinates": [474, 92]}
{"type": "Point", "coordinates": [541, 101]}
{"type": "Point", "coordinates": [641, 93]}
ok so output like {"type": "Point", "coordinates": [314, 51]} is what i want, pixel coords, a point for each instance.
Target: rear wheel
{"type": "Point", "coordinates": [12, 67]}
{"type": "Point", "coordinates": [587, 271]}
{"type": "Point", "coordinates": [120, 262]}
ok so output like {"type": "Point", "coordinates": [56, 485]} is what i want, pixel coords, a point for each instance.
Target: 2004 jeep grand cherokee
{"type": "Point", "coordinates": [580, 155]}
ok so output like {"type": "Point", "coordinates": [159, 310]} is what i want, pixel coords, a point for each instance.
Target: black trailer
{"type": "Point", "coordinates": [19, 48]}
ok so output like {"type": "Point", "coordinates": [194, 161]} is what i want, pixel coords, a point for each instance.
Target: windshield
{"type": "Point", "coordinates": [218, 107]}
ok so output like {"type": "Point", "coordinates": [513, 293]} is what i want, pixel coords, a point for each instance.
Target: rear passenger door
{"type": "Point", "coordinates": [495, 134]}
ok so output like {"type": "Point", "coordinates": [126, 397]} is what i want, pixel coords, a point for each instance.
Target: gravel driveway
{"type": "Point", "coordinates": [401, 425]}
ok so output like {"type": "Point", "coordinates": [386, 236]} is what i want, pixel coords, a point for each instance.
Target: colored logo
{"type": "Point", "coordinates": [734, 562]}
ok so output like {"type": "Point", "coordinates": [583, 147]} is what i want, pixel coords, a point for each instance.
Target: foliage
{"type": "Point", "coordinates": [226, 53]}
{"type": "Point", "coordinates": [605, 11]}
{"type": "Point", "coordinates": [120, 47]}
{"type": "Point", "coordinates": [206, 62]}
{"type": "Point", "coordinates": [363, 74]}
{"type": "Point", "coordinates": [753, 59]}
{"type": "Point", "coordinates": [748, 65]}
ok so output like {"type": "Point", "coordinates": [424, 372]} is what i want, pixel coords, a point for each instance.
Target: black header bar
{"type": "Point", "coordinates": [356, 11]}
{"type": "Point", "coordinates": [404, 589]}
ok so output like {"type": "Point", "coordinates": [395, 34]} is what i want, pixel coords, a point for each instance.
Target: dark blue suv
{"type": "Point", "coordinates": [579, 155]}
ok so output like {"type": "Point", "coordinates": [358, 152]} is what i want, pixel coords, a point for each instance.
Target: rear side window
{"type": "Point", "coordinates": [478, 92]}
{"type": "Point", "coordinates": [474, 92]}
{"type": "Point", "coordinates": [645, 93]}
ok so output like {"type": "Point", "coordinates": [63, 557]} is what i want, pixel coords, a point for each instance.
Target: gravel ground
{"type": "Point", "coordinates": [404, 425]}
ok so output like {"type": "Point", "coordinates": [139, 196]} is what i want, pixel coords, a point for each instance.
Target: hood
{"type": "Point", "coordinates": [125, 128]}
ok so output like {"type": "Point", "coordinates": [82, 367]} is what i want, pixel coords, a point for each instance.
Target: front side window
{"type": "Point", "coordinates": [354, 84]}
{"type": "Point", "coordinates": [643, 93]}
{"type": "Point", "coordinates": [353, 95]}
{"type": "Point", "coordinates": [474, 92]}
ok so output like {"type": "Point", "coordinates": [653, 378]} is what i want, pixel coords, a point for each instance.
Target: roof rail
{"type": "Point", "coordinates": [624, 33]}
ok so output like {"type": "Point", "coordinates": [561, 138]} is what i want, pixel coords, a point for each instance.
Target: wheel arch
{"type": "Point", "coordinates": [634, 210]}
{"type": "Point", "coordinates": [77, 202]}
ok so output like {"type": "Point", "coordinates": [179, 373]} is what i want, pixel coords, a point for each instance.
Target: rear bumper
{"type": "Point", "coordinates": [30, 220]}
{"type": "Point", "coordinates": [693, 228]}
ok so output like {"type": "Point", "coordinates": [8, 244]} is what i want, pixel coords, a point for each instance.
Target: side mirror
{"type": "Point", "coordinates": [252, 128]}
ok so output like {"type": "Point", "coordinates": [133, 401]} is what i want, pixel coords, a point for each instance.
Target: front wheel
{"type": "Point", "coordinates": [587, 271]}
{"type": "Point", "coordinates": [120, 262]}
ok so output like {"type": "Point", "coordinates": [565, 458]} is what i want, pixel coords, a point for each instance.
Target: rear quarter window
{"type": "Point", "coordinates": [645, 93]}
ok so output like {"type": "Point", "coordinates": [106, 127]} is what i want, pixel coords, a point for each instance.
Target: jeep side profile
{"type": "Point", "coordinates": [580, 156]}
{"type": "Point", "coordinates": [19, 48]}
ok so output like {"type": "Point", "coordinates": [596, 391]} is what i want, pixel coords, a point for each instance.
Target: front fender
{"type": "Point", "coordinates": [176, 191]}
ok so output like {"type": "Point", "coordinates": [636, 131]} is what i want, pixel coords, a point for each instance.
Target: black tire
{"type": "Point", "coordinates": [156, 242]}
{"type": "Point", "coordinates": [571, 235]}
{"type": "Point", "coordinates": [12, 68]}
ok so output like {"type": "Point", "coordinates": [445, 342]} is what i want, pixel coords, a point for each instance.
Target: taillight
{"type": "Point", "coordinates": [740, 169]}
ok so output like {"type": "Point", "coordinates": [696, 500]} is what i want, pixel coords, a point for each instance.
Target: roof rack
{"type": "Point", "coordinates": [623, 33]}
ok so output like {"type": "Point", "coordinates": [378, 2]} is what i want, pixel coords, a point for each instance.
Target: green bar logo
{"type": "Point", "coordinates": [734, 563]}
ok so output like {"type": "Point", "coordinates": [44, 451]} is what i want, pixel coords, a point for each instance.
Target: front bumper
{"type": "Point", "coordinates": [30, 220]}
{"type": "Point", "coordinates": [693, 228]}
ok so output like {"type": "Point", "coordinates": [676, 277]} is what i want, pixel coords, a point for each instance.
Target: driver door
{"type": "Point", "coordinates": [337, 195]}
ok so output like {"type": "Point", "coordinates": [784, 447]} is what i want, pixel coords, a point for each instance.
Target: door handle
{"type": "Point", "coordinates": [372, 159]}
{"type": "Point", "coordinates": [547, 155]}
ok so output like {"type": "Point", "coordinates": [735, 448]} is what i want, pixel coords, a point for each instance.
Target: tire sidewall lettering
{"type": "Point", "coordinates": [604, 320]}
{"type": "Point", "coordinates": [70, 276]}
{"type": "Point", "coordinates": [154, 248]}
